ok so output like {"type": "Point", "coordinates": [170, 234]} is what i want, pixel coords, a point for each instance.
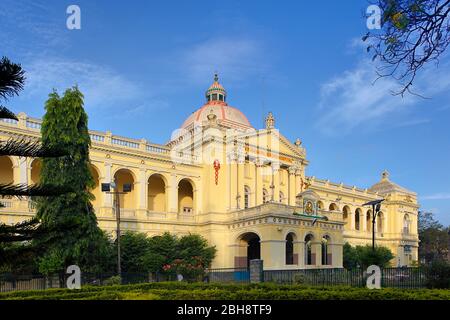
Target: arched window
{"type": "Point", "coordinates": [320, 205]}
{"type": "Point", "coordinates": [326, 254]}
{"type": "Point", "coordinates": [333, 207]}
{"type": "Point", "coordinates": [289, 249]}
{"type": "Point", "coordinates": [406, 224]}
{"type": "Point", "coordinates": [246, 197]}
{"type": "Point", "coordinates": [156, 193]}
{"type": "Point", "coordinates": [265, 196]}
{"type": "Point", "coordinates": [379, 222]}
{"type": "Point", "coordinates": [125, 177]}
{"type": "Point", "coordinates": [310, 258]}
{"type": "Point", "coordinates": [369, 220]}
{"type": "Point", "coordinates": [185, 196]}
{"type": "Point", "coordinates": [357, 219]}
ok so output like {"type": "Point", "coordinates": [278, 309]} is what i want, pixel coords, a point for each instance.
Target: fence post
{"type": "Point", "coordinates": [256, 271]}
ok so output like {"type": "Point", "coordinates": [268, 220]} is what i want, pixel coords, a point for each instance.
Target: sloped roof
{"type": "Point", "coordinates": [386, 186]}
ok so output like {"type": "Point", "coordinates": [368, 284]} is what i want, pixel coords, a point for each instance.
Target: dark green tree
{"type": "Point", "coordinates": [434, 238]}
{"type": "Point", "coordinates": [64, 127]}
{"type": "Point", "coordinates": [364, 256]}
{"type": "Point", "coordinates": [16, 252]}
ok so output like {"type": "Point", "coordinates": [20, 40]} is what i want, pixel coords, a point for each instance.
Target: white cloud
{"type": "Point", "coordinates": [101, 86]}
{"type": "Point", "coordinates": [357, 99]}
{"type": "Point", "coordinates": [437, 196]}
{"type": "Point", "coordinates": [238, 57]}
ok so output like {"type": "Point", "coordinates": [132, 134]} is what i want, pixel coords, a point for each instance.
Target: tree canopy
{"type": "Point", "coordinates": [413, 33]}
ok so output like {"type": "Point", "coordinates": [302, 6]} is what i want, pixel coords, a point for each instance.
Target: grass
{"type": "Point", "coordinates": [221, 291]}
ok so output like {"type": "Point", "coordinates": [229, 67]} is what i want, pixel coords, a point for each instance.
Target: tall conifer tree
{"type": "Point", "coordinates": [64, 127]}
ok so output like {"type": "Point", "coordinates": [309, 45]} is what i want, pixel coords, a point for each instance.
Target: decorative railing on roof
{"type": "Point", "coordinates": [97, 137]}
{"type": "Point", "coordinates": [340, 186]}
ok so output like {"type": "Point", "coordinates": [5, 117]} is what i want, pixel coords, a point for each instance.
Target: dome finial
{"type": "Point", "coordinates": [270, 121]}
{"type": "Point", "coordinates": [216, 93]}
{"type": "Point", "coordinates": [385, 175]}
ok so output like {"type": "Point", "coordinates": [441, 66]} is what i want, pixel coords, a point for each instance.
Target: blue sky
{"type": "Point", "coordinates": [144, 66]}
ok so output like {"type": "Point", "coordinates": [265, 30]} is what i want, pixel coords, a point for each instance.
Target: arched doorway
{"type": "Point", "coordinates": [185, 196]}
{"type": "Point", "coordinates": [310, 256]}
{"type": "Point", "coordinates": [6, 170]}
{"type": "Point", "coordinates": [291, 255]}
{"type": "Point", "coordinates": [358, 214]}
{"type": "Point", "coordinates": [326, 252]}
{"type": "Point", "coordinates": [121, 177]}
{"type": "Point", "coordinates": [36, 167]}
{"type": "Point", "coordinates": [249, 248]}
{"type": "Point", "coordinates": [96, 203]}
{"type": "Point", "coordinates": [156, 200]}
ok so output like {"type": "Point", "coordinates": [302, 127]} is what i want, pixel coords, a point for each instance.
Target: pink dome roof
{"type": "Point", "coordinates": [226, 116]}
{"type": "Point", "coordinates": [216, 103]}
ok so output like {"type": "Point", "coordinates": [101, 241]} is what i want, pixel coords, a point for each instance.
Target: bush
{"type": "Point", "coordinates": [216, 291]}
{"type": "Point", "coordinates": [437, 274]}
{"type": "Point", "coordinates": [364, 256]}
{"type": "Point", "coordinates": [114, 280]}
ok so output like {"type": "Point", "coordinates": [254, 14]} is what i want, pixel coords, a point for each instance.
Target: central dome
{"type": "Point", "coordinates": [226, 115]}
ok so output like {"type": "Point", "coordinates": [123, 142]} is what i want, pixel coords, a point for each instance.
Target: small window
{"type": "Point", "coordinates": [220, 97]}
{"type": "Point", "coordinates": [214, 96]}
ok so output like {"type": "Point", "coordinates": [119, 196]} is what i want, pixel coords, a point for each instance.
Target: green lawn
{"type": "Point", "coordinates": [202, 291]}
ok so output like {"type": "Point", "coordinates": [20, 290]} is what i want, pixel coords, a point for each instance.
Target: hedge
{"type": "Point", "coordinates": [216, 291]}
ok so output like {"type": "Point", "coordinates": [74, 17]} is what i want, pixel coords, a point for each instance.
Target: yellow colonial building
{"type": "Point", "coordinates": [243, 189]}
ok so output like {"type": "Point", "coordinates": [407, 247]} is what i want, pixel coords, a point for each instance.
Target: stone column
{"type": "Point", "coordinates": [173, 194]}
{"type": "Point", "coordinates": [273, 252]}
{"type": "Point", "coordinates": [351, 216]}
{"type": "Point", "coordinates": [291, 187]}
{"type": "Point", "coordinates": [240, 181]}
{"type": "Point", "coordinates": [258, 182]}
{"type": "Point", "coordinates": [317, 251]}
{"type": "Point", "coordinates": [107, 198]}
{"type": "Point", "coordinates": [143, 190]}
{"type": "Point", "coordinates": [363, 216]}
{"type": "Point", "coordinates": [234, 180]}
{"type": "Point", "coordinates": [275, 187]}
{"type": "Point", "coordinates": [336, 254]}
{"type": "Point", "coordinates": [198, 197]}
{"type": "Point", "coordinates": [23, 170]}
{"type": "Point", "coordinates": [301, 252]}
{"type": "Point", "coordinates": [298, 181]}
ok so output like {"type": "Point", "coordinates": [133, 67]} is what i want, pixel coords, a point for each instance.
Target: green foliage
{"type": "Point", "coordinates": [349, 256]}
{"type": "Point", "coordinates": [434, 238]}
{"type": "Point", "coordinates": [438, 274]}
{"type": "Point", "coordinates": [167, 253]}
{"type": "Point", "coordinates": [113, 281]}
{"type": "Point", "coordinates": [64, 127]}
{"type": "Point", "coordinates": [364, 256]}
{"type": "Point", "coordinates": [216, 291]}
